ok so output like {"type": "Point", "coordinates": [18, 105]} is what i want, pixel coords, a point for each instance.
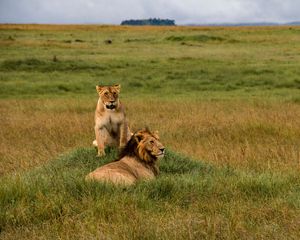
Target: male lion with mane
{"type": "Point", "coordinates": [137, 161]}
{"type": "Point", "coordinates": [111, 127]}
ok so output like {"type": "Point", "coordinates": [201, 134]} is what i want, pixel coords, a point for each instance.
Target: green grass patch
{"type": "Point", "coordinates": [195, 38]}
{"type": "Point", "coordinates": [33, 64]}
{"type": "Point", "coordinates": [57, 191]}
{"type": "Point", "coordinates": [207, 62]}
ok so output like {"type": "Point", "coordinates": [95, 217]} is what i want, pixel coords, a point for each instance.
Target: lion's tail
{"type": "Point", "coordinates": [95, 143]}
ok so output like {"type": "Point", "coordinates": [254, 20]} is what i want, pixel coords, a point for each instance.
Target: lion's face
{"type": "Point", "coordinates": [149, 147]}
{"type": "Point", "coordinates": [109, 95]}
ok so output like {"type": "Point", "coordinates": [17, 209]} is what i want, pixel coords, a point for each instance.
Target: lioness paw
{"type": "Point", "coordinates": [101, 153]}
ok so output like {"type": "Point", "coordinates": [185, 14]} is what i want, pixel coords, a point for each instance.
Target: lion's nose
{"type": "Point", "coordinates": [111, 101]}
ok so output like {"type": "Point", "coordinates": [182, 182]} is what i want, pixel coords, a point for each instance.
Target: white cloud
{"type": "Point", "coordinates": [114, 11]}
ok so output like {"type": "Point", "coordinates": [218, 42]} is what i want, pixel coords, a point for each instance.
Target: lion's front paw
{"type": "Point", "coordinates": [101, 153]}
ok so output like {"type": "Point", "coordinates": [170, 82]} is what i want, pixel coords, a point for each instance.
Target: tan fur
{"type": "Point", "coordinates": [138, 161]}
{"type": "Point", "coordinates": [111, 127]}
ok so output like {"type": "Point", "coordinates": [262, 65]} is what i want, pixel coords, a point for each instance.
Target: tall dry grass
{"type": "Point", "coordinates": [252, 135]}
{"type": "Point", "coordinates": [34, 131]}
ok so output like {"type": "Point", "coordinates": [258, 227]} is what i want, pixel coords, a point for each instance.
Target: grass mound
{"type": "Point", "coordinates": [188, 199]}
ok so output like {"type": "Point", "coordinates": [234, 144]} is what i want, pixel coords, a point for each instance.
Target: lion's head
{"type": "Point", "coordinates": [145, 145]}
{"type": "Point", "coordinates": [109, 95]}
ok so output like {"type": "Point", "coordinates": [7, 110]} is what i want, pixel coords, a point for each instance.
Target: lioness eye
{"type": "Point", "coordinates": [152, 142]}
{"type": "Point", "coordinates": [106, 93]}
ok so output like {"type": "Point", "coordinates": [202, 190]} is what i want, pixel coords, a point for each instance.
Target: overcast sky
{"type": "Point", "coordinates": [182, 11]}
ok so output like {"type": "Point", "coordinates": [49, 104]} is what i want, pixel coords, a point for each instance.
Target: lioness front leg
{"type": "Point", "coordinates": [123, 134]}
{"type": "Point", "coordinates": [100, 138]}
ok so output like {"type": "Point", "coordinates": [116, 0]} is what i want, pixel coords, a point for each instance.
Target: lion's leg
{"type": "Point", "coordinates": [100, 138]}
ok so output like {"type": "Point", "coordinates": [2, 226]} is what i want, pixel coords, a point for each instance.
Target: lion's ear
{"type": "Point", "coordinates": [99, 89]}
{"type": "Point", "coordinates": [155, 134]}
{"type": "Point", "coordinates": [117, 87]}
{"type": "Point", "coordinates": [138, 137]}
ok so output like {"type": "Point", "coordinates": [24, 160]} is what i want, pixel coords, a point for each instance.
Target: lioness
{"type": "Point", "coordinates": [111, 127]}
{"type": "Point", "coordinates": [137, 161]}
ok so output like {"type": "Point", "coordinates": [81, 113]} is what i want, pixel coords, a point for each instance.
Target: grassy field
{"type": "Point", "coordinates": [226, 102]}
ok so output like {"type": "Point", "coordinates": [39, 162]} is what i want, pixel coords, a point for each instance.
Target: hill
{"type": "Point", "coordinates": [196, 199]}
{"type": "Point", "coordinates": [245, 24]}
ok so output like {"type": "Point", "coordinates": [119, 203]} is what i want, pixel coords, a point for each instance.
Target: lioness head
{"type": "Point", "coordinates": [109, 95]}
{"type": "Point", "coordinates": [145, 145]}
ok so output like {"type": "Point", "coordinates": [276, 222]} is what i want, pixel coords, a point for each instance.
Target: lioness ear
{"type": "Point", "coordinates": [99, 89]}
{"type": "Point", "coordinates": [117, 87]}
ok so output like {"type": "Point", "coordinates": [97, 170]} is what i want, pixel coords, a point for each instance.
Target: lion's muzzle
{"type": "Point", "coordinates": [161, 153]}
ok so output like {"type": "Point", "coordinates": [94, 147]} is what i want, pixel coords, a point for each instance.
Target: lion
{"type": "Point", "coordinates": [111, 127]}
{"type": "Point", "coordinates": [137, 161]}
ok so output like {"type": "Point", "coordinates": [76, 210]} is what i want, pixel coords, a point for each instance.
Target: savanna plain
{"type": "Point", "coordinates": [226, 103]}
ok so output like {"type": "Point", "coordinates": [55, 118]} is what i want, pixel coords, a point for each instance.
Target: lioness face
{"type": "Point", "coordinates": [149, 146]}
{"type": "Point", "coordinates": [109, 96]}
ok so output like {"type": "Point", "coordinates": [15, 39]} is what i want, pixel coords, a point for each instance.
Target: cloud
{"type": "Point", "coordinates": [114, 11]}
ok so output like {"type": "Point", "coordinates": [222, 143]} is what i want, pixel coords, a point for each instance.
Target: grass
{"type": "Point", "coordinates": [197, 38]}
{"type": "Point", "coordinates": [257, 135]}
{"type": "Point", "coordinates": [176, 60]}
{"type": "Point", "coordinates": [196, 199]}
{"type": "Point", "coordinates": [227, 96]}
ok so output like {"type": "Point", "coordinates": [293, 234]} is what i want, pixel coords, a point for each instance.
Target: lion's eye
{"type": "Point", "coordinates": [114, 93]}
{"type": "Point", "coordinates": [152, 142]}
{"type": "Point", "coordinates": [106, 93]}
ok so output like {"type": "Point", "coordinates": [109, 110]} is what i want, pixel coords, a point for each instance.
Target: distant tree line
{"type": "Point", "coordinates": [150, 21]}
